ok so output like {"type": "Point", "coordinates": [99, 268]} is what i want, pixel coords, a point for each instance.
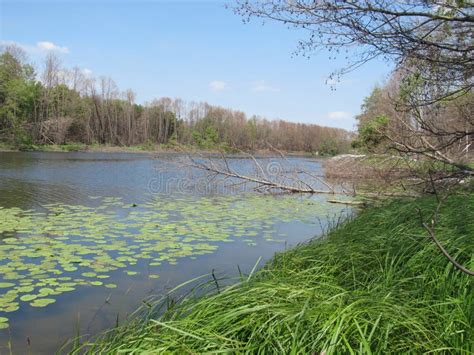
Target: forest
{"type": "Point", "coordinates": [64, 106]}
{"type": "Point", "coordinates": [253, 250]}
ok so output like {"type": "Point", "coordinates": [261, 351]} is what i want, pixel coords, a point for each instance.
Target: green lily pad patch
{"type": "Point", "coordinates": [6, 284]}
{"type": "Point", "coordinates": [27, 298]}
{"type": "Point", "coordinates": [62, 248]}
{"type": "Point", "coordinates": [42, 302]}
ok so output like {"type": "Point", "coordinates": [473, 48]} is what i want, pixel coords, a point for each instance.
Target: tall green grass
{"type": "Point", "coordinates": [375, 284]}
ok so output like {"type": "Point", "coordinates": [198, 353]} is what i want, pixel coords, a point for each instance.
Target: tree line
{"type": "Point", "coordinates": [64, 106]}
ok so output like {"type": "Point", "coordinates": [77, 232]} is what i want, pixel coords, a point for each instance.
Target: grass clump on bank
{"type": "Point", "coordinates": [375, 284]}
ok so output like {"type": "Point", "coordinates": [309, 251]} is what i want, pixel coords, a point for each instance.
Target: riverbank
{"type": "Point", "coordinates": [145, 148]}
{"type": "Point", "coordinates": [79, 147]}
{"type": "Point", "coordinates": [373, 284]}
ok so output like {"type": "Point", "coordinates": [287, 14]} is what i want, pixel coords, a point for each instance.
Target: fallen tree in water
{"type": "Point", "coordinates": [278, 174]}
{"type": "Point", "coordinates": [271, 178]}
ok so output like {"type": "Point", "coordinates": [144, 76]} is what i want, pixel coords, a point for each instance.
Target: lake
{"type": "Point", "coordinates": [85, 237]}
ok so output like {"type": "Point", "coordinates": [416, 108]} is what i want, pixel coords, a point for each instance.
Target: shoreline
{"type": "Point", "coordinates": [372, 284]}
{"type": "Point", "coordinates": [71, 148]}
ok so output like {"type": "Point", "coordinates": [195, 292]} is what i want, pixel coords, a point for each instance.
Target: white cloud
{"type": "Point", "coordinates": [262, 86]}
{"type": "Point", "coordinates": [218, 86]}
{"type": "Point", "coordinates": [39, 47]}
{"type": "Point", "coordinates": [50, 46]}
{"type": "Point", "coordinates": [87, 72]}
{"type": "Point", "coordinates": [339, 115]}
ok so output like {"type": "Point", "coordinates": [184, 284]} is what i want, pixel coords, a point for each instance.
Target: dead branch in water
{"type": "Point", "coordinates": [271, 179]}
{"type": "Point", "coordinates": [273, 176]}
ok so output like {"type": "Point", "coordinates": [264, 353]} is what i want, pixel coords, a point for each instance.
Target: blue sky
{"type": "Point", "coordinates": [195, 50]}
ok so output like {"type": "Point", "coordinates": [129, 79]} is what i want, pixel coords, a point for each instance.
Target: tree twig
{"type": "Point", "coordinates": [445, 252]}
{"type": "Point", "coordinates": [431, 232]}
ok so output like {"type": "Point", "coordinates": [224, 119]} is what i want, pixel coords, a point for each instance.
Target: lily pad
{"type": "Point", "coordinates": [42, 302]}
{"type": "Point", "coordinates": [27, 298]}
{"type": "Point", "coordinates": [68, 246]}
{"type": "Point", "coordinates": [89, 274]}
{"type": "Point", "coordinates": [6, 284]}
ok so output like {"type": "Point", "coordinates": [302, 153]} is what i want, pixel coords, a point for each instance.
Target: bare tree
{"type": "Point", "coordinates": [438, 33]}
{"type": "Point", "coordinates": [430, 42]}
{"type": "Point", "coordinates": [52, 70]}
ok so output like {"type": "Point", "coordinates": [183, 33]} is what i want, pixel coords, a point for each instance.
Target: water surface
{"type": "Point", "coordinates": [84, 237]}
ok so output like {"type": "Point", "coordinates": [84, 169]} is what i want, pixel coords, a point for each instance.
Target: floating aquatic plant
{"type": "Point", "coordinates": [4, 323]}
{"type": "Point", "coordinates": [46, 253]}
